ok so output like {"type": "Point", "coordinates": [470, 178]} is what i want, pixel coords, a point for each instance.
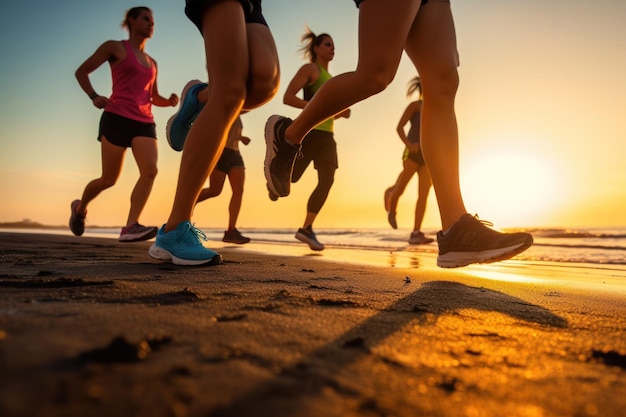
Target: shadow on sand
{"type": "Point", "coordinates": [431, 301]}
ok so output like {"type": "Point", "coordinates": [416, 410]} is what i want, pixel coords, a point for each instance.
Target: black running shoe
{"type": "Point", "coordinates": [279, 156]}
{"type": "Point", "coordinates": [387, 198]}
{"type": "Point", "coordinates": [234, 236]}
{"type": "Point", "coordinates": [391, 218]}
{"type": "Point", "coordinates": [470, 241]}
{"type": "Point", "coordinates": [77, 220]}
{"type": "Point", "coordinates": [308, 236]}
{"type": "Point", "coordinates": [418, 238]}
{"type": "Point", "coordinates": [137, 232]}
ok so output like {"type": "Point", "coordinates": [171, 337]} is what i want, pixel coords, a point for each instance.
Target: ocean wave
{"type": "Point", "coordinates": [592, 246]}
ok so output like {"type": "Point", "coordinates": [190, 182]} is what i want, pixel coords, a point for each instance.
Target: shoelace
{"type": "Point", "coordinates": [285, 162]}
{"type": "Point", "coordinates": [199, 234]}
{"type": "Point", "coordinates": [484, 222]}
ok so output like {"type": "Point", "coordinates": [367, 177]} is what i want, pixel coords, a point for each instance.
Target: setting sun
{"type": "Point", "coordinates": [512, 185]}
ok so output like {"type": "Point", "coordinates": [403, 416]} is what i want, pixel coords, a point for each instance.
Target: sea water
{"type": "Point", "coordinates": [576, 245]}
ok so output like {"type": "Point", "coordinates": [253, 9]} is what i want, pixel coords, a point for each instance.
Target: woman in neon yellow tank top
{"type": "Point", "coordinates": [319, 144]}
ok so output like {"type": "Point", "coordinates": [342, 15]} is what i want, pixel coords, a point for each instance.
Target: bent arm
{"type": "Point", "coordinates": [406, 117]}
{"type": "Point", "coordinates": [158, 99]}
{"type": "Point", "coordinates": [108, 51]}
{"type": "Point", "coordinates": [305, 76]}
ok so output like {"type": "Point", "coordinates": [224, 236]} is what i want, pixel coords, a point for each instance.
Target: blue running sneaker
{"type": "Point", "coordinates": [279, 156]}
{"type": "Point", "coordinates": [183, 246]}
{"type": "Point", "coordinates": [179, 124]}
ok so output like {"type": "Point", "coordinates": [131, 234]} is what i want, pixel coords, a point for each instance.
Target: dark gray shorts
{"type": "Point", "coordinates": [319, 147]}
{"type": "Point", "coordinates": [251, 9]}
{"type": "Point", "coordinates": [418, 158]}
{"type": "Point", "coordinates": [120, 130]}
{"type": "Point", "coordinates": [230, 159]}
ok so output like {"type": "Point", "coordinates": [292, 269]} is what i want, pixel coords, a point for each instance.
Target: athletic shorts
{"type": "Point", "coordinates": [418, 158]}
{"type": "Point", "coordinates": [320, 147]}
{"type": "Point", "coordinates": [230, 159]}
{"type": "Point", "coordinates": [358, 2]}
{"type": "Point", "coordinates": [251, 9]}
{"type": "Point", "coordinates": [120, 130]}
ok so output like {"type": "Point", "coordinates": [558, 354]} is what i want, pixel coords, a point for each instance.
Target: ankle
{"type": "Point", "coordinates": [290, 138]}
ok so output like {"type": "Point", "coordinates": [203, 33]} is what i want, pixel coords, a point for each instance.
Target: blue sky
{"type": "Point", "coordinates": [542, 95]}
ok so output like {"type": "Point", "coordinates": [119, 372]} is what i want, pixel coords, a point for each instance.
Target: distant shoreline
{"type": "Point", "coordinates": [27, 224]}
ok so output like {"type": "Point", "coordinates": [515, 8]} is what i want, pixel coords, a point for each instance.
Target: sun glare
{"type": "Point", "coordinates": [511, 187]}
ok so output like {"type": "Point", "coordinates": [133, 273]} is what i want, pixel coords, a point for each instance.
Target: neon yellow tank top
{"type": "Point", "coordinates": [328, 124]}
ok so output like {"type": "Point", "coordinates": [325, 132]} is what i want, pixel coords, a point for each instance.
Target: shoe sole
{"type": "Point", "coordinates": [460, 259]}
{"type": "Point", "coordinates": [238, 241]}
{"type": "Point", "coordinates": [270, 153]}
{"type": "Point", "coordinates": [170, 122]}
{"type": "Point", "coordinates": [316, 246]}
{"type": "Point", "coordinates": [422, 242]}
{"type": "Point", "coordinates": [138, 238]}
{"type": "Point", "coordinates": [161, 254]}
{"type": "Point", "coordinates": [387, 199]}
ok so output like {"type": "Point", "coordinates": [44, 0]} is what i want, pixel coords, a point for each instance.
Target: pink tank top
{"type": "Point", "coordinates": [132, 88]}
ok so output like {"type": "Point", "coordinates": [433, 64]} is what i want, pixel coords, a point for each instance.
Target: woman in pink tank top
{"type": "Point", "coordinates": [126, 121]}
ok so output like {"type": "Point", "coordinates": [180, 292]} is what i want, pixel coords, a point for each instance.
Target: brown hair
{"type": "Point", "coordinates": [310, 41]}
{"type": "Point", "coordinates": [133, 13]}
{"type": "Point", "coordinates": [415, 84]}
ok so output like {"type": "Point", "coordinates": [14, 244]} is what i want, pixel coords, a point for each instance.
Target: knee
{"type": "Point", "coordinates": [149, 173]}
{"type": "Point", "coordinates": [376, 79]}
{"type": "Point", "coordinates": [107, 182]}
{"type": "Point", "coordinates": [234, 96]}
{"type": "Point", "coordinates": [379, 83]}
{"type": "Point", "coordinates": [238, 191]}
{"type": "Point", "coordinates": [327, 180]}
{"type": "Point", "coordinates": [216, 190]}
{"type": "Point", "coordinates": [442, 85]}
{"type": "Point", "coordinates": [263, 87]}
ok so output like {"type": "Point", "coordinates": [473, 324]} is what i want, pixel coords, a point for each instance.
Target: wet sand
{"type": "Point", "coordinates": [93, 327]}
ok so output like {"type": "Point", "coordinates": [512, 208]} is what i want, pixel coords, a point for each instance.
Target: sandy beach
{"type": "Point", "coordinates": [93, 327]}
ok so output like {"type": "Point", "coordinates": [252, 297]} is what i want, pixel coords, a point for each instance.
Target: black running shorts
{"type": "Point", "coordinates": [358, 2]}
{"type": "Point", "coordinates": [120, 130]}
{"type": "Point", "coordinates": [251, 9]}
